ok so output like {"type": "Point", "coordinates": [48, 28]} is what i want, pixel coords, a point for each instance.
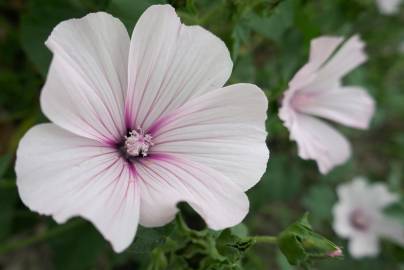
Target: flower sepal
{"type": "Point", "coordinates": [301, 245]}
{"type": "Point", "coordinates": [187, 248]}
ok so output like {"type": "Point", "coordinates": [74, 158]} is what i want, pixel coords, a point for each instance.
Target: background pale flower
{"type": "Point", "coordinates": [388, 7]}
{"type": "Point", "coordinates": [358, 216]}
{"type": "Point", "coordinates": [316, 91]}
{"type": "Point", "coordinates": [141, 124]}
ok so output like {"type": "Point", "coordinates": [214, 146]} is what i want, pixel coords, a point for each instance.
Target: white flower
{"type": "Point", "coordinates": [316, 91]}
{"type": "Point", "coordinates": [388, 7]}
{"type": "Point", "coordinates": [140, 124]}
{"type": "Point", "coordinates": [359, 216]}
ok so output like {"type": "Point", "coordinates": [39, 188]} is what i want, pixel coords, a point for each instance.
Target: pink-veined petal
{"type": "Point", "coordinates": [86, 85]}
{"type": "Point", "coordinates": [165, 180]}
{"type": "Point", "coordinates": [317, 140]}
{"type": "Point", "coordinates": [169, 63]}
{"type": "Point", "coordinates": [224, 130]}
{"type": "Point", "coordinates": [351, 106]}
{"type": "Point", "coordinates": [64, 175]}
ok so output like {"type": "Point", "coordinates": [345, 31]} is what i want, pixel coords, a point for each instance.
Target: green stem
{"type": "Point", "coordinates": [19, 244]}
{"type": "Point", "coordinates": [266, 239]}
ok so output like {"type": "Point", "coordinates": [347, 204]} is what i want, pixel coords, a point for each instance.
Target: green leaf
{"type": "Point", "coordinates": [277, 23]}
{"type": "Point", "coordinates": [129, 11]}
{"type": "Point", "coordinates": [4, 163]}
{"type": "Point", "coordinates": [78, 249]}
{"type": "Point", "coordinates": [8, 199]}
{"type": "Point", "coordinates": [37, 24]}
{"type": "Point", "coordinates": [396, 211]}
{"type": "Point", "coordinates": [319, 200]}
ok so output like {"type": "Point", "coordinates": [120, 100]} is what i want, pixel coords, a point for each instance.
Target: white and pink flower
{"type": "Point", "coordinates": [316, 91]}
{"type": "Point", "coordinates": [358, 216]}
{"type": "Point", "coordinates": [140, 124]}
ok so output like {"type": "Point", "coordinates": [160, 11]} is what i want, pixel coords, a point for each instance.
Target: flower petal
{"type": "Point", "coordinates": [64, 175]}
{"type": "Point", "coordinates": [320, 51]}
{"type": "Point", "coordinates": [350, 106]}
{"type": "Point", "coordinates": [349, 56]}
{"type": "Point", "coordinates": [322, 48]}
{"type": "Point", "coordinates": [223, 130]}
{"type": "Point", "coordinates": [166, 180]}
{"type": "Point", "coordinates": [388, 7]}
{"type": "Point", "coordinates": [170, 63]}
{"type": "Point", "coordinates": [363, 245]}
{"type": "Point", "coordinates": [85, 88]}
{"type": "Point", "coordinates": [391, 229]}
{"type": "Point", "coordinates": [342, 224]}
{"type": "Point", "coordinates": [317, 140]}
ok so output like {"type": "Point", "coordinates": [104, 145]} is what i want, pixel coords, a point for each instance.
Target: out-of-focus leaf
{"type": "Point", "coordinates": [78, 249]}
{"type": "Point", "coordinates": [37, 24]}
{"type": "Point", "coordinates": [281, 182]}
{"type": "Point", "coordinates": [319, 201]}
{"type": "Point", "coordinates": [129, 11]}
{"type": "Point", "coordinates": [244, 70]}
{"type": "Point", "coordinates": [8, 199]}
{"type": "Point", "coordinates": [4, 163]}
{"type": "Point", "coordinates": [240, 35]}
{"type": "Point", "coordinates": [277, 23]}
{"type": "Point", "coordinates": [396, 211]}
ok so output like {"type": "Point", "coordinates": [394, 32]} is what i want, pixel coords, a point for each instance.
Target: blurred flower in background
{"type": "Point", "coordinates": [389, 7]}
{"type": "Point", "coordinates": [358, 216]}
{"type": "Point", "coordinates": [316, 91]}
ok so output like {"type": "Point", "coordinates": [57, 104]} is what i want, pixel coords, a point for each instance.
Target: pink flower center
{"type": "Point", "coordinates": [138, 143]}
{"type": "Point", "coordinates": [359, 220]}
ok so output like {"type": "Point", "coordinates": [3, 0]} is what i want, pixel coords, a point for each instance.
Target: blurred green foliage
{"type": "Point", "coordinates": [269, 41]}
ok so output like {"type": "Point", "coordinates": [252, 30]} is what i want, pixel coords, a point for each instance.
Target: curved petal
{"type": "Point", "coordinates": [223, 130]}
{"type": "Point", "coordinates": [165, 180]}
{"type": "Point", "coordinates": [350, 106]}
{"type": "Point", "coordinates": [349, 56]}
{"type": "Point", "coordinates": [321, 50]}
{"type": "Point", "coordinates": [317, 140]}
{"type": "Point", "coordinates": [64, 175]}
{"type": "Point", "coordinates": [170, 63]}
{"type": "Point", "coordinates": [85, 88]}
{"type": "Point", "coordinates": [381, 196]}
